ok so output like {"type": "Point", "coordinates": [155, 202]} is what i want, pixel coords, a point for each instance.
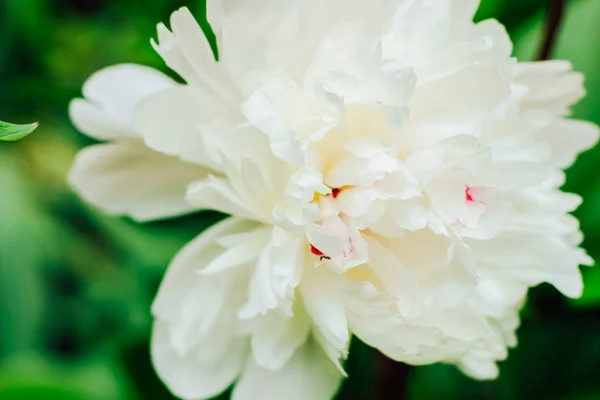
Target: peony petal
{"type": "Point", "coordinates": [99, 123]}
{"type": "Point", "coordinates": [374, 318]}
{"type": "Point", "coordinates": [395, 278]}
{"type": "Point", "coordinates": [410, 214]}
{"type": "Point", "coordinates": [123, 86]}
{"type": "Point", "coordinates": [570, 283]}
{"type": "Point", "coordinates": [303, 185]}
{"type": "Point", "coordinates": [551, 85]}
{"type": "Point", "coordinates": [269, 109]}
{"type": "Point", "coordinates": [249, 248]}
{"type": "Point", "coordinates": [487, 42]}
{"type": "Point", "coordinates": [275, 339]}
{"type": "Point", "coordinates": [192, 42]}
{"type": "Point", "coordinates": [538, 256]}
{"type": "Point", "coordinates": [183, 274]}
{"type": "Point", "coordinates": [362, 169]}
{"type": "Point", "coordinates": [197, 348]}
{"type": "Point", "coordinates": [169, 122]}
{"type": "Point", "coordinates": [277, 275]}
{"type": "Point", "coordinates": [441, 267]}
{"type": "Point", "coordinates": [308, 375]}
{"type": "Point", "coordinates": [168, 48]}
{"type": "Point", "coordinates": [479, 368]}
{"type": "Point", "coordinates": [128, 178]}
{"type": "Point", "coordinates": [111, 94]}
{"type": "Point", "coordinates": [197, 309]}
{"type": "Point", "coordinates": [461, 99]}
{"type": "Point", "coordinates": [568, 138]}
{"type": "Point", "coordinates": [327, 313]}
{"type": "Point", "coordinates": [188, 377]}
{"type": "Point", "coordinates": [217, 194]}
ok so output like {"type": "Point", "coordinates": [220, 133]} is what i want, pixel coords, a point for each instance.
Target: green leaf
{"type": "Point", "coordinates": [31, 377]}
{"type": "Point", "coordinates": [21, 263]}
{"type": "Point", "coordinates": [13, 132]}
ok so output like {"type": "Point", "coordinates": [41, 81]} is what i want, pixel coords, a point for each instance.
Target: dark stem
{"type": "Point", "coordinates": [391, 379]}
{"type": "Point", "coordinates": [553, 20]}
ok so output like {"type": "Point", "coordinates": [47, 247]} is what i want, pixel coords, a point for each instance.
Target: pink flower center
{"type": "Point", "coordinates": [315, 251]}
{"type": "Point", "coordinates": [468, 195]}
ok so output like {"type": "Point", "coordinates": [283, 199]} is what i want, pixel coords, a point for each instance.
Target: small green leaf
{"type": "Point", "coordinates": [12, 132]}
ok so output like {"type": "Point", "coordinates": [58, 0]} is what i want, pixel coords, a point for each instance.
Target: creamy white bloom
{"type": "Point", "coordinates": [125, 176]}
{"type": "Point", "coordinates": [389, 170]}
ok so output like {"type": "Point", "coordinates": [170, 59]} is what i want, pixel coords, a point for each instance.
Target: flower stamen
{"type": "Point", "coordinates": [319, 253]}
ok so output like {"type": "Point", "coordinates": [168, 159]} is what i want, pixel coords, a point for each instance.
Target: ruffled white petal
{"type": "Point", "coordinates": [170, 122]}
{"type": "Point", "coordinates": [551, 85]}
{"type": "Point", "coordinates": [191, 262]}
{"type": "Point", "coordinates": [461, 99]}
{"type": "Point", "coordinates": [568, 138]}
{"type": "Point", "coordinates": [275, 338]}
{"type": "Point", "coordinates": [216, 194]}
{"type": "Point", "coordinates": [277, 275]}
{"type": "Point", "coordinates": [128, 178]}
{"type": "Point", "coordinates": [189, 377]}
{"type": "Point", "coordinates": [110, 96]}
{"type": "Point", "coordinates": [328, 314]}
{"type": "Point", "coordinates": [239, 249]}
{"type": "Point", "coordinates": [308, 375]}
{"type": "Point", "coordinates": [187, 51]}
{"type": "Point", "coordinates": [197, 348]}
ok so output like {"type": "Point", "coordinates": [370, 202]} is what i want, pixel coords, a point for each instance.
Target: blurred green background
{"type": "Point", "coordinates": [76, 285]}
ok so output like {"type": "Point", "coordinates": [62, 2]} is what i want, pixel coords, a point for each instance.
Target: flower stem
{"type": "Point", "coordinates": [553, 21]}
{"type": "Point", "coordinates": [391, 378]}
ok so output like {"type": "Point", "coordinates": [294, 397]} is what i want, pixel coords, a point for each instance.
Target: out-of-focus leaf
{"type": "Point", "coordinates": [558, 354]}
{"type": "Point", "coordinates": [13, 132]}
{"type": "Point", "coordinates": [512, 13]}
{"type": "Point", "coordinates": [359, 384]}
{"type": "Point", "coordinates": [489, 9]}
{"type": "Point", "coordinates": [33, 378]}
{"type": "Point", "coordinates": [581, 395]}
{"type": "Point", "coordinates": [441, 381]}
{"type": "Point", "coordinates": [135, 357]}
{"type": "Point", "coordinates": [28, 390]}
{"type": "Point", "coordinates": [26, 237]}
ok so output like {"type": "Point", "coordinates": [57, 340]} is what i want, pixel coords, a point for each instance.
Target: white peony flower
{"type": "Point", "coordinates": [389, 170]}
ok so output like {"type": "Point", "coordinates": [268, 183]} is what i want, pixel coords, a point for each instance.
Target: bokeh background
{"type": "Point", "coordinates": [76, 285]}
